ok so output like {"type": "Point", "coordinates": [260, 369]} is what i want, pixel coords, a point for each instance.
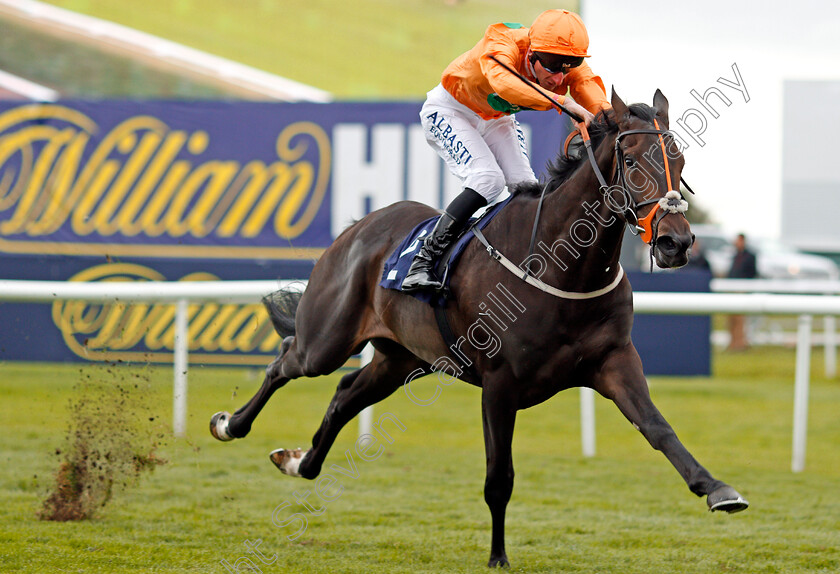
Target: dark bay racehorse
{"type": "Point", "coordinates": [578, 336]}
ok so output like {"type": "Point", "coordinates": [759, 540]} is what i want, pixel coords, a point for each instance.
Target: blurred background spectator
{"type": "Point", "coordinates": [698, 261]}
{"type": "Point", "coordinates": [743, 267]}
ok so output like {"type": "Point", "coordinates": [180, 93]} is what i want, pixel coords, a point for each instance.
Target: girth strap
{"type": "Point", "coordinates": [450, 340]}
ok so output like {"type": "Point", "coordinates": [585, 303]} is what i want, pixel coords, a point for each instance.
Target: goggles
{"type": "Point", "coordinates": [557, 63]}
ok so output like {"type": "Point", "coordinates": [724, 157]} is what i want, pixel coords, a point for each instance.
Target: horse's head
{"type": "Point", "coordinates": [648, 164]}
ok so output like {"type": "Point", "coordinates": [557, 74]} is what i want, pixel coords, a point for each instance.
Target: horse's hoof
{"type": "Point", "coordinates": [287, 461]}
{"type": "Point", "coordinates": [219, 426]}
{"type": "Point", "coordinates": [499, 562]}
{"type": "Point", "coordinates": [727, 499]}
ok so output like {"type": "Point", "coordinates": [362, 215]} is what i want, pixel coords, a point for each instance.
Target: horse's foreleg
{"type": "Point", "coordinates": [622, 380]}
{"type": "Point", "coordinates": [498, 417]}
{"type": "Point", "coordinates": [225, 426]}
{"type": "Point", "coordinates": [356, 391]}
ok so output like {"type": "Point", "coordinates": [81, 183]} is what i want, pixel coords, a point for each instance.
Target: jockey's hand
{"type": "Point", "coordinates": [578, 109]}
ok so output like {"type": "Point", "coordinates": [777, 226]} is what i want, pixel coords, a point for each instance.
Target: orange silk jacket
{"type": "Point", "coordinates": [491, 91]}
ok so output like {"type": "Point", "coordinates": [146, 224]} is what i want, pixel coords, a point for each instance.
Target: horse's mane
{"type": "Point", "coordinates": [562, 168]}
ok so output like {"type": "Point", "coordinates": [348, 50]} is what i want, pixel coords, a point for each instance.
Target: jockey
{"type": "Point", "coordinates": [468, 118]}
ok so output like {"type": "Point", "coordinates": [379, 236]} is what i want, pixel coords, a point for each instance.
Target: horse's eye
{"type": "Point", "coordinates": [629, 161]}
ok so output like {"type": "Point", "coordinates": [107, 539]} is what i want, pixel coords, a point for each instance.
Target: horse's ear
{"type": "Point", "coordinates": [660, 104]}
{"type": "Point", "coordinates": [618, 105]}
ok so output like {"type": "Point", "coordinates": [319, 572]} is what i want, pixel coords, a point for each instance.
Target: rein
{"type": "Point", "coordinates": [673, 201]}
{"type": "Point", "coordinates": [647, 227]}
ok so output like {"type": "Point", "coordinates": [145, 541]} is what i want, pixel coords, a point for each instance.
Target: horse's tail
{"type": "Point", "coordinates": [282, 306]}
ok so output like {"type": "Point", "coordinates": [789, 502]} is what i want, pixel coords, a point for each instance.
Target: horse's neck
{"type": "Point", "coordinates": [581, 235]}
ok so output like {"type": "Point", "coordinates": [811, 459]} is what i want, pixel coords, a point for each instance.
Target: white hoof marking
{"type": "Point", "coordinates": [220, 429]}
{"type": "Point", "coordinates": [288, 461]}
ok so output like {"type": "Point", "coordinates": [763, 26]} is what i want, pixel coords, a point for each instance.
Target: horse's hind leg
{"type": "Point", "coordinates": [225, 426]}
{"type": "Point", "coordinates": [325, 336]}
{"type": "Point", "coordinates": [357, 390]}
{"type": "Point", "coordinates": [622, 380]}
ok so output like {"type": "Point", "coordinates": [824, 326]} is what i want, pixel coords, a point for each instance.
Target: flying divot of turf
{"type": "Point", "coordinates": [111, 440]}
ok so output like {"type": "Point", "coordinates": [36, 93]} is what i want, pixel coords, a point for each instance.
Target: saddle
{"type": "Point", "coordinates": [397, 264]}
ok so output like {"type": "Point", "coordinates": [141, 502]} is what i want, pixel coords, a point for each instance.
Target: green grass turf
{"type": "Point", "coordinates": [355, 49]}
{"type": "Point", "coordinates": [419, 507]}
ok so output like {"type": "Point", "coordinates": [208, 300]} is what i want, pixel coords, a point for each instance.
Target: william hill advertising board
{"type": "Point", "coordinates": [140, 191]}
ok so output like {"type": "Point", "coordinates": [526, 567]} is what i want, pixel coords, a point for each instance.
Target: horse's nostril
{"type": "Point", "coordinates": [670, 245]}
{"type": "Point", "coordinates": [667, 245]}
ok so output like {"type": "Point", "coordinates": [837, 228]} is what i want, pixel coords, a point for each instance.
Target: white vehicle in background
{"type": "Point", "coordinates": [716, 245]}
{"type": "Point", "coordinates": [775, 259]}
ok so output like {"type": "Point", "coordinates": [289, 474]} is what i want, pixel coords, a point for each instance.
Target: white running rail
{"type": "Point", "coordinates": [799, 286]}
{"type": "Point", "coordinates": [28, 89]}
{"type": "Point", "coordinates": [181, 293]}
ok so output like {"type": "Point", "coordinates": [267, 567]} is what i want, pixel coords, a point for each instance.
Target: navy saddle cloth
{"type": "Point", "coordinates": [396, 266]}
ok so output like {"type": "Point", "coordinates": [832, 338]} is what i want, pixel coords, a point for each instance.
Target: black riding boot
{"type": "Point", "coordinates": [421, 274]}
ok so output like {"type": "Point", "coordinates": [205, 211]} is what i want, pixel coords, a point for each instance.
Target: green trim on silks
{"type": "Point", "coordinates": [513, 25]}
{"type": "Point", "coordinates": [500, 104]}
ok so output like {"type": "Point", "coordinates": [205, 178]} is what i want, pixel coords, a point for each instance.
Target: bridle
{"type": "Point", "coordinates": [672, 202]}
{"type": "Point", "coordinates": [648, 226]}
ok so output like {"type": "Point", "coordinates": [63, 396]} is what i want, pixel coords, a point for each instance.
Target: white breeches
{"type": "Point", "coordinates": [484, 154]}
